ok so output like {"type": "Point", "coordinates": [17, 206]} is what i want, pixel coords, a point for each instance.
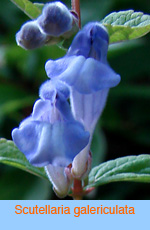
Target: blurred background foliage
{"type": "Point", "coordinates": [124, 128]}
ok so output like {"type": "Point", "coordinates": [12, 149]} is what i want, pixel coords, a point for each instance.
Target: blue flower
{"type": "Point", "coordinates": [56, 135]}
{"type": "Point", "coordinates": [86, 72]}
{"type": "Point", "coordinates": [85, 66]}
{"type": "Point", "coordinates": [51, 135]}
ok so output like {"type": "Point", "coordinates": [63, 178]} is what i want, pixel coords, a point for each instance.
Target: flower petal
{"type": "Point", "coordinates": [33, 140]}
{"type": "Point", "coordinates": [49, 89]}
{"type": "Point", "coordinates": [91, 41]}
{"type": "Point", "coordinates": [42, 142]}
{"type": "Point", "coordinates": [70, 75]}
{"type": "Point", "coordinates": [81, 45]}
{"type": "Point", "coordinates": [95, 76]}
{"type": "Point", "coordinates": [42, 110]}
{"type": "Point", "coordinates": [57, 67]}
{"type": "Point", "coordinates": [86, 75]}
{"type": "Point", "coordinates": [96, 30]}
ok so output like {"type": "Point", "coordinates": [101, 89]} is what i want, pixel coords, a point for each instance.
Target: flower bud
{"type": "Point", "coordinates": [81, 164]}
{"type": "Point", "coordinates": [55, 19]}
{"type": "Point", "coordinates": [30, 36]}
{"type": "Point", "coordinates": [61, 182]}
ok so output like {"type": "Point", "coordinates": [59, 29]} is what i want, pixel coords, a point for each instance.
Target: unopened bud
{"type": "Point", "coordinates": [55, 19]}
{"type": "Point", "coordinates": [30, 36]}
{"type": "Point", "coordinates": [59, 179]}
{"type": "Point", "coordinates": [81, 164]}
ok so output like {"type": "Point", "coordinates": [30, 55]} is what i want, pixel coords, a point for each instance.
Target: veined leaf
{"type": "Point", "coordinates": [130, 168]}
{"type": "Point", "coordinates": [10, 155]}
{"type": "Point", "coordinates": [30, 9]}
{"type": "Point", "coordinates": [126, 25]}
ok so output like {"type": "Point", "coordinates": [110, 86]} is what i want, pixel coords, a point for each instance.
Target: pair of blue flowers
{"type": "Point", "coordinates": [58, 133]}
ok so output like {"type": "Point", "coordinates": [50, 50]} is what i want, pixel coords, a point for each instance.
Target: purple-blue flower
{"type": "Point", "coordinates": [51, 135]}
{"type": "Point", "coordinates": [85, 70]}
{"type": "Point", "coordinates": [58, 133]}
{"type": "Point", "coordinates": [87, 73]}
{"type": "Point", "coordinates": [85, 65]}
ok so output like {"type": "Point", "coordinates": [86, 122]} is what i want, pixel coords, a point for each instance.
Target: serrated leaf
{"type": "Point", "coordinates": [30, 9]}
{"type": "Point", "coordinates": [130, 168]}
{"type": "Point", "coordinates": [126, 25]}
{"type": "Point", "coordinates": [10, 155]}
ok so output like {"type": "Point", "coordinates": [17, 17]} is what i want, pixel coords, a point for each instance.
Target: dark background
{"type": "Point", "coordinates": [124, 128]}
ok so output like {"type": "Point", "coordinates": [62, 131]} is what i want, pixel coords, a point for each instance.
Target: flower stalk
{"type": "Point", "coordinates": [76, 7]}
{"type": "Point", "coordinates": [77, 190]}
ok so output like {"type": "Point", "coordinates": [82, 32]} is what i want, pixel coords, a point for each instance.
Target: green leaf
{"type": "Point", "coordinates": [10, 155]}
{"type": "Point", "coordinates": [126, 25]}
{"type": "Point", "coordinates": [130, 168]}
{"type": "Point", "coordinates": [30, 9]}
{"type": "Point", "coordinates": [39, 5]}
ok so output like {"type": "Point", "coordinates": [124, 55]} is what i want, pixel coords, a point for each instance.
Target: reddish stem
{"type": "Point", "coordinates": [76, 8]}
{"type": "Point", "coordinates": [77, 190]}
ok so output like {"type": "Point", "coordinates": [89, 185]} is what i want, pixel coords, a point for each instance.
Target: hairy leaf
{"type": "Point", "coordinates": [10, 155]}
{"type": "Point", "coordinates": [130, 168]}
{"type": "Point", "coordinates": [126, 25]}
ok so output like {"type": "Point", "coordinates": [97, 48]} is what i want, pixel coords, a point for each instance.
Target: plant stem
{"type": "Point", "coordinates": [76, 7]}
{"type": "Point", "coordinates": [77, 190]}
